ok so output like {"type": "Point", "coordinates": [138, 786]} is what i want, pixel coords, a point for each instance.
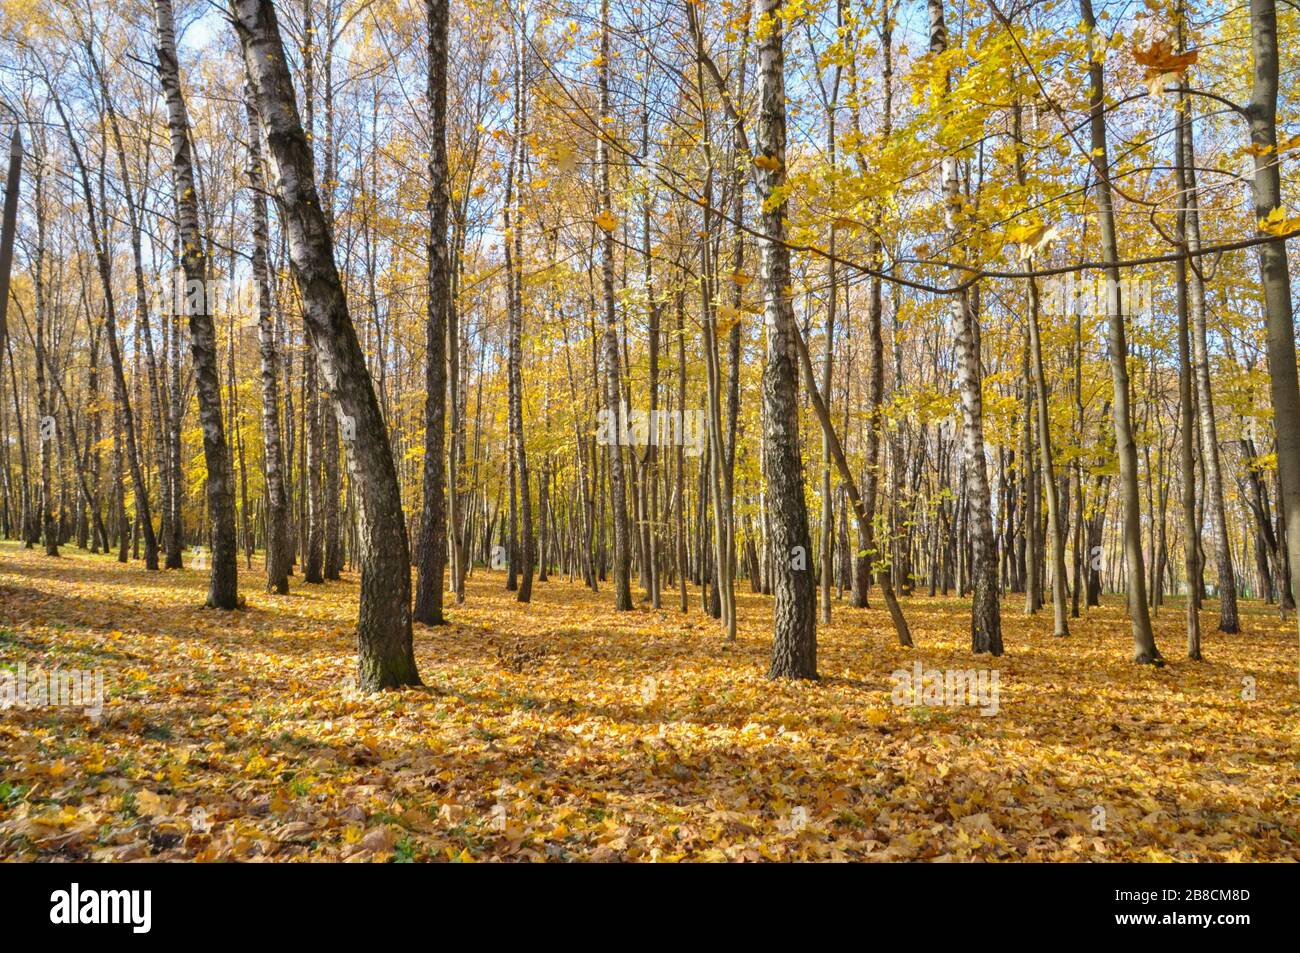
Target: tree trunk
{"type": "Point", "coordinates": [618, 495]}
{"type": "Point", "coordinates": [278, 545]}
{"type": "Point", "coordinates": [986, 619]}
{"type": "Point", "coordinates": [433, 523]}
{"type": "Point", "coordinates": [386, 656]}
{"type": "Point", "coordinates": [1275, 279]}
{"type": "Point", "coordinates": [1228, 621]}
{"type": "Point", "coordinates": [223, 589]}
{"type": "Point", "coordinates": [123, 393]}
{"type": "Point", "coordinates": [1144, 643]}
{"type": "Point", "coordinates": [794, 642]}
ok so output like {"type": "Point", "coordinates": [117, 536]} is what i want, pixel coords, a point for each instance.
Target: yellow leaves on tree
{"type": "Point", "coordinates": [1031, 239]}
{"type": "Point", "coordinates": [565, 157]}
{"type": "Point", "coordinates": [1278, 223]}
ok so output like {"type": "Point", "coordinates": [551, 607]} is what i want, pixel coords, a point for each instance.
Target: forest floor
{"type": "Point", "coordinates": [562, 730]}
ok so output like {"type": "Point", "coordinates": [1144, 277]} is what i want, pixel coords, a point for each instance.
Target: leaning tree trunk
{"type": "Point", "coordinates": [433, 523]}
{"type": "Point", "coordinates": [278, 546]}
{"type": "Point", "coordinates": [223, 582]}
{"type": "Point", "coordinates": [1144, 641]}
{"type": "Point", "coordinates": [157, 390]}
{"type": "Point", "coordinates": [794, 639]}
{"type": "Point", "coordinates": [986, 619]}
{"type": "Point", "coordinates": [386, 658]}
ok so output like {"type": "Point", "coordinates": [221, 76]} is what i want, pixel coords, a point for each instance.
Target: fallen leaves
{"type": "Point", "coordinates": [561, 731]}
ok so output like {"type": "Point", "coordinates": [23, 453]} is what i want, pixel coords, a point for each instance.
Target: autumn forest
{"type": "Point", "coordinates": [648, 430]}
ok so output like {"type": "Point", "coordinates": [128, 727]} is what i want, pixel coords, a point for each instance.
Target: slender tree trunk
{"type": "Point", "coordinates": [617, 491]}
{"type": "Point", "coordinates": [223, 589]}
{"type": "Point", "coordinates": [278, 545]}
{"type": "Point", "coordinates": [433, 523]}
{"type": "Point", "coordinates": [1144, 643]}
{"type": "Point", "coordinates": [1218, 527]}
{"type": "Point", "coordinates": [986, 619]}
{"type": "Point", "coordinates": [47, 430]}
{"type": "Point", "coordinates": [1186, 424]}
{"type": "Point", "coordinates": [123, 392]}
{"type": "Point", "coordinates": [679, 495]}
{"type": "Point", "coordinates": [1055, 529]}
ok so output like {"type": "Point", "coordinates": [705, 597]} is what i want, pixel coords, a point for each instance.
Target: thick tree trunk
{"type": "Point", "coordinates": [794, 641]}
{"type": "Point", "coordinates": [1275, 279]}
{"type": "Point", "coordinates": [386, 655]}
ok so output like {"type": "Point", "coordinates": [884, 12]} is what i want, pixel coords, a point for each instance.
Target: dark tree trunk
{"type": "Point", "coordinates": [794, 641]}
{"type": "Point", "coordinates": [386, 655]}
{"type": "Point", "coordinates": [617, 490]}
{"type": "Point", "coordinates": [433, 523]}
{"type": "Point", "coordinates": [223, 587]}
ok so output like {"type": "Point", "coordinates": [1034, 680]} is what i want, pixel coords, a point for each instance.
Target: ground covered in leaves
{"type": "Point", "coordinates": [561, 730]}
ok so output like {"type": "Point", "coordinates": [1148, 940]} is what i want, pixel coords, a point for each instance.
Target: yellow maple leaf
{"type": "Point", "coordinates": [1277, 223]}
{"type": "Point", "coordinates": [1032, 238]}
